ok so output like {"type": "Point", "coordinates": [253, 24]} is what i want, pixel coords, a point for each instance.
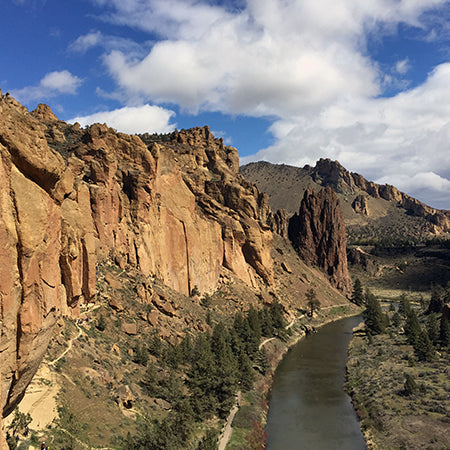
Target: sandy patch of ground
{"type": "Point", "coordinates": [39, 399]}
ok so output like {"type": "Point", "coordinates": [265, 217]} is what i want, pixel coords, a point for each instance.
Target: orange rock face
{"type": "Point", "coordinates": [173, 207]}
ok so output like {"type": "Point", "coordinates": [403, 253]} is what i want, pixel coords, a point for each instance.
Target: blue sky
{"type": "Point", "coordinates": [366, 83]}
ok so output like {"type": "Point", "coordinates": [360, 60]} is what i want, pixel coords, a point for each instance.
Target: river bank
{"type": "Point", "coordinates": [248, 426]}
{"type": "Point", "coordinates": [393, 414]}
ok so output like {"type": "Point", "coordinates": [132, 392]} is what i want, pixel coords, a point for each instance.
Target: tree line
{"type": "Point", "coordinates": [217, 365]}
{"type": "Point", "coordinates": [427, 331]}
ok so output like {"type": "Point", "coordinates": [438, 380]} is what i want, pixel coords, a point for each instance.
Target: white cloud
{"type": "Point", "coordinates": [269, 58]}
{"type": "Point", "coordinates": [418, 181]}
{"type": "Point", "coordinates": [137, 119]}
{"type": "Point", "coordinates": [403, 140]}
{"type": "Point", "coordinates": [306, 64]}
{"type": "Point", "coordinates": [52, 85]}
{"type": "Point", "coordinates": [85, 42]}
{"type": "Point", "coordinates": [402, 66]}
{"type": "Point", "coordinates": [94, 39]}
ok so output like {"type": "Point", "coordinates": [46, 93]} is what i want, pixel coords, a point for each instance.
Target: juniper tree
{"type": "Point", "coordinates": [313, 302]}
{"type": "Point", "coordinates": [357, 294]}
{"type": "Point", "coordinates": [373, 316]}
{"type": "Point", "coordinates": [412, 327]}
{"type": "Point", "coordinates": [410, 386]}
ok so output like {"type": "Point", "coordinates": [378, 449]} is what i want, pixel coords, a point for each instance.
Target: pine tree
{"type": "Point", "coordinates": [226, 368]}
{"type": "Point", "coordinates": [373, 316]}
{"type": "Point", "coordinates": [246, 372]}
{"type": "Point", "coordinates": [444, 332]}
{"type": "Point", "coordinates": [313, 302]}
{"type": "Point", "coordinates": [404, 306]}
{"type": "Point", "coordinates": [202, 379]}
{"type": "Point", "coordinates": [436, 301]}
{"type": "Point", "coordinates": [412, 327]}
{"type": "Point", "coordinates": [150, 380]}
{"type": "Point", "coordinates": [433, 328]}
{"type": "Point", "coordinates": [276, 312]}
{"type": "Point", "coordinates": [357, 294]}
{"type": "Point", "coordinates": [262, 361]}
{"type": "Point", "coordinates": [423, 347]}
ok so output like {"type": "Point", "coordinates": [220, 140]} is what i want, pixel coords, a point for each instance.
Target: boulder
{"type": "Point", "coordinates": [130, 328]}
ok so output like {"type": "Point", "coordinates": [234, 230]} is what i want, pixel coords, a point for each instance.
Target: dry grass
{"type": "Point", "coordinates": [376, 376]}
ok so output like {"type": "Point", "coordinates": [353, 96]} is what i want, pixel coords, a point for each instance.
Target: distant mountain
{"type": "Point", "coordinates": [372, 212]}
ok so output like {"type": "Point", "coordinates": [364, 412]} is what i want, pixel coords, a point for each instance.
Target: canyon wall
{"type": "Point", "coordinates": [173, 206]}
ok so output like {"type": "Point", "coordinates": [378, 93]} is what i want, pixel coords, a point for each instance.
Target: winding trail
{"type": "Point", "coordinates": [69, 347]}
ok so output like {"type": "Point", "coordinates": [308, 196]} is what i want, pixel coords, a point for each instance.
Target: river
{"type": "Point", "coordinates": [309, 409]}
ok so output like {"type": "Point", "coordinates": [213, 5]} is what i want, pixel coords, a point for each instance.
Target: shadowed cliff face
{"type": "Point", "coordinates": [318, 234]}
{"type": "Point", "coordinates": [174, 208]}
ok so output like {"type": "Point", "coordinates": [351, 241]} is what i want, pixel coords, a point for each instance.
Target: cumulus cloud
{"type": "Point", "coordinates": [305, 64]}
{"type": "Point", "coordinates": [132, 119]}
{"type": "Point", "coordinates": [52, 85]}
{"type": "Point", "coordinates": [402, 140]}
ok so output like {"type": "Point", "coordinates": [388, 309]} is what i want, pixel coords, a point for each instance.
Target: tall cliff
{"type": "Point", "coordinates": [317, 232]}
{"type": "Point", "coordinates": [173, 207]}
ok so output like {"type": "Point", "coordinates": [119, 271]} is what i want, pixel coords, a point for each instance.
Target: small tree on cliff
{"type": "Point", "coordinates": [357, 294]}
{"type": "Point", "coordinates": [313, 302]}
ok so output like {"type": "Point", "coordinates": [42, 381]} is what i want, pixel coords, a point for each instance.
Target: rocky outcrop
{"type": "Point", "coordinates": [318, 234]}
{"type": "Point", "coordinates": [361, 205]}
{"type": "Point", "coordinates": [172, 207]}
{"type": "Point", "coordinates": [280, 223]}
{"type": "Point", "coordinates": [331, 173]}
{"type": "Point", "coordinates": [357, 257]}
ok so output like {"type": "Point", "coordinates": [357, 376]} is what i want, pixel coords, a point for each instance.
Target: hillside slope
{"type": "Point", "coordinates": [370, 210]}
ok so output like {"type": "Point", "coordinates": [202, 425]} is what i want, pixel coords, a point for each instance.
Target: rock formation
{"type": "Point", "coordinates": [361, 205]}
{"type": "Point", "coordinates": [280, 223]}
{"type": "Point", "coordinates": [318, 234]}
{"type": "Point", "coordinates": [174, 207]}
{"type": "Point", "coordinates": [333, 174]}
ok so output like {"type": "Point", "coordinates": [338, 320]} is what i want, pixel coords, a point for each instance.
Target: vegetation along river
{"type": "Point", "coordinates": [309, 409]}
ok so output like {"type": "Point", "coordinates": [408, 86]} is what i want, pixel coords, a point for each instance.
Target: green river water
{"type": "Point", "coordinates": [309, 409]}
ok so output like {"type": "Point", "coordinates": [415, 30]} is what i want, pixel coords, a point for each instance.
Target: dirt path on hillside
{"type": "Point", "coordinates": [69, 347]}
{"type": "Point", "coordinates": [40, 396]}
{"type": "Point", "coordinates": [227, 429]}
